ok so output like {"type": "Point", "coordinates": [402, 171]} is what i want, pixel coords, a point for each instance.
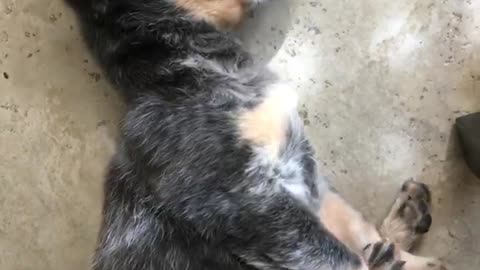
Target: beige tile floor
{"type": "Point", "coordinates": [381, 84]}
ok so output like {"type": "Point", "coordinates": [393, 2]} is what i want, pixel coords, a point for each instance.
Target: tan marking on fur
{"type": "Point", "coordinates": [266, 124]}
{"type": "Point", "coordinates": [224, 14]}
{"type": "Point", "coordinates": [346, 224]}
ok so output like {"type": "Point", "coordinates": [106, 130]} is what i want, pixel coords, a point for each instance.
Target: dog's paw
{"type": "Point", "coordinates": [436, 264]}
{"type": "Point", "coordinates": [381, 256]}
{"type": "Point", "coordinates": [413, 262]}
{"type": "Point", "coordinates": [409, 217]}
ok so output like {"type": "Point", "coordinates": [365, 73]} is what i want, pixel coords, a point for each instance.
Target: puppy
{"type": "Point", "coordinates": [213, 169]}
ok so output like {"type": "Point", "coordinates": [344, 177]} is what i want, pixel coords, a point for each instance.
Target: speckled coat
{"type": "Point", "coordinates": [213, 170]}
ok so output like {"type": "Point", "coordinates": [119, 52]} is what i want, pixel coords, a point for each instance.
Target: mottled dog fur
{"type": "Point", "coordinates": [213, 170]}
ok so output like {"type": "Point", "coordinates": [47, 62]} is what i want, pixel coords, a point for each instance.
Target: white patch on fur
{"type": "Point", "coordinates": [284, 92]}
{"type": "Point", "coordinates": [293, 181]}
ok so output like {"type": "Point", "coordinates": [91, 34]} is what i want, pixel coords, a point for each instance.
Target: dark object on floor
{"type": "Point", "coordinates": [468, 128]}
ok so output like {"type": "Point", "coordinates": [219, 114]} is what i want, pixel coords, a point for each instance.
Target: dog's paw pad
{"type": "Point", "coordinates": [410, 216]}
{"type": "Point", "coordinates": [415, 207]}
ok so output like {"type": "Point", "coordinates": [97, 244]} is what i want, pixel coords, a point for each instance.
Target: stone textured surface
{"type": "Point", "coordinates": [381, 84]}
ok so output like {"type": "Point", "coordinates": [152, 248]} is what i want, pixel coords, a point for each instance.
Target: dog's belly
{"type": "Point", "coordinates": [283, 160]}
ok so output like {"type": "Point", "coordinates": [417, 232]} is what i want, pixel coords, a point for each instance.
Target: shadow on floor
{"type": "Point", "coordinates": [265, 31]}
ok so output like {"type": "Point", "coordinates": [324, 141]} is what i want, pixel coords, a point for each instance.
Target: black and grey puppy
{"type": "Point", "coordinates": [213, 170]}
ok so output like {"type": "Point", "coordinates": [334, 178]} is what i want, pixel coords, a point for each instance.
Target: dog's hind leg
{"type": "Point", "coordinates": [349, 226]}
